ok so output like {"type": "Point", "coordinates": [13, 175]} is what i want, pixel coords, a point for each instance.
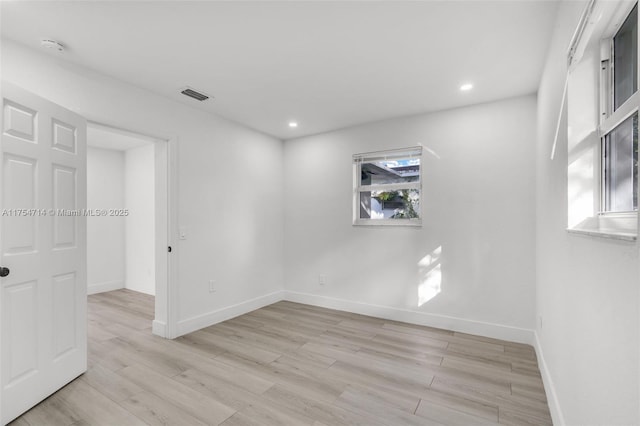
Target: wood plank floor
{"type": "Point", "coordinates": [292, 364]}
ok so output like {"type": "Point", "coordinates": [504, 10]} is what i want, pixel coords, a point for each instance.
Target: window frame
{"type": "Point", "coordinates": [390, 154]}
{"type": "Point", "coordinates": [610, 119]}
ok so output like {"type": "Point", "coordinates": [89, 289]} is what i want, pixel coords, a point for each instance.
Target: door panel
{"type": "Point", "coordinates": [19, 188]}
{"type": "Point", "coordinates": [64, 314]}
{"type": "Point", "coordinates": [64, 200]}
{"type": "Point", "coordinates": [64, 137]}
{"type": "Point", "coordinates": [20, 303]}
{"type": "Point", "coordinates": [19, 121]}
{"type": "Point", "coordinates": [43, 300]}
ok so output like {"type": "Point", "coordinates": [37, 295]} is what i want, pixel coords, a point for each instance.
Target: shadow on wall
{"type": "Point", "coordinates": [430, 276]}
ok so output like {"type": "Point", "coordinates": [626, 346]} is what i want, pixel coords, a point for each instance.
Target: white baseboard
{"type": "Point", "coordinates": [210, 318]}
{"type": "Point", "coordinates": [496, 331]}
{"type": "Point", "coordinates": [549, 387]}
{"type": "Point", "coordinates": [146, 288]}
{"type": "Point", "coordinates": [104, 286]}
{"type": "Point", "coordinates": [479, 328]}
{"type": "Point", "coordinates": [159, 328]}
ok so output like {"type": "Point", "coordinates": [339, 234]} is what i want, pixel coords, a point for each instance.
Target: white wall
{"type": "Point", "coordinates": [587, 287]}
{"type": "Point", "coordinates": [140, 237]}
{"type": "Point", "coordinates": [105, 234]}
{"type": "Point", "coordinates": [478, 210]}
{"type": "Point", "coordinates": [230, 180]}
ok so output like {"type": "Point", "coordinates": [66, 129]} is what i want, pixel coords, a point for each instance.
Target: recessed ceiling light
{"type": "Point", "coordinates": [293, 124]}
{"type": "Point", "coordinates": [52, 44]}
{"type": "Point", "coordinates": [466, 86]}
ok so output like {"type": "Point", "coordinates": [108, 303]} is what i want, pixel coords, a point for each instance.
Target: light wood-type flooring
{"type": "Point", "coordinates": [292, 364]}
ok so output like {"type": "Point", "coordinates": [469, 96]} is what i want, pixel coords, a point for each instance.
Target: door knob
{"type": "Point", "coordinates": [4, 271]}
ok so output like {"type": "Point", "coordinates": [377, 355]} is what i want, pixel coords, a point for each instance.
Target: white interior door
{"type": "Point", "coordinates": [43, 343]}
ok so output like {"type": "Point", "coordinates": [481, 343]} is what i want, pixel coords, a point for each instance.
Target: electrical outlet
{"type": "Point", "coordinates": [322, 279]}
{"type": "Point", "coordinates": [212, 286]}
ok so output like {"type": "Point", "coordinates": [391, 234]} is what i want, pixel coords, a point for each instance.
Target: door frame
{"type": "Point", "coordinates": [166, 223]}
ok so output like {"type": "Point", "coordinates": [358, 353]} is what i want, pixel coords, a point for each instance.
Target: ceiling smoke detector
{"type": "Point", "coordinates": [52, 44]}
{"type": "Point", "coordinates": [192, 93]}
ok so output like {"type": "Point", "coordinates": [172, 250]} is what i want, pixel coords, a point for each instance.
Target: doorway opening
{"type": "Point", "coordinates": [128, 221]}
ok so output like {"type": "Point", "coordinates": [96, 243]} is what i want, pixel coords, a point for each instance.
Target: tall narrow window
{"type": "Point", "coordinates": [602, 121]}
{"type": "Point", "coordinates": [387, 187]}
{"type": "Point", "coordinates": [619, 129]}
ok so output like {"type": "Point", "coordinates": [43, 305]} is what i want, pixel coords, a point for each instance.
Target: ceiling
{"type": "Point", "coordinates": [324, 64]}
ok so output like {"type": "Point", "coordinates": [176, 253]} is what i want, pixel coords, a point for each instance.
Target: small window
{"type": "Point", "coordinates": [387, 187]}
{"type": "Point", "coordinates": [620, 167]}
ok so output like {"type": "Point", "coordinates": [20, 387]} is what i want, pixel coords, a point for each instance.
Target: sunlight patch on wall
{"type": "Point", "coordinates": [430, 276]}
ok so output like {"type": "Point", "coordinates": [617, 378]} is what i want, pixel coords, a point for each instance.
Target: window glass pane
{"type": "Point", "coordinates": [621, 167]}
{"type": "Point", "coordinates": [390, 171]}
{"type": "Point", "coordinates": [625, 57]}
{"type": "Point", "coordinates": [399, 204]}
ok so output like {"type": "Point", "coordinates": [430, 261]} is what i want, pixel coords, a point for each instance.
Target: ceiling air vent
{"type": "Point", "coordinates": [188, 91]}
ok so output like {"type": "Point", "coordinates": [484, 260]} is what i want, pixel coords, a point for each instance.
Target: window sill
{"type": "Point", "coordinates": [612, 235]}
{"type": "Point", "coordinates": [616, 226]}
{"type": "Point", "coordinates": [389, 222]}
